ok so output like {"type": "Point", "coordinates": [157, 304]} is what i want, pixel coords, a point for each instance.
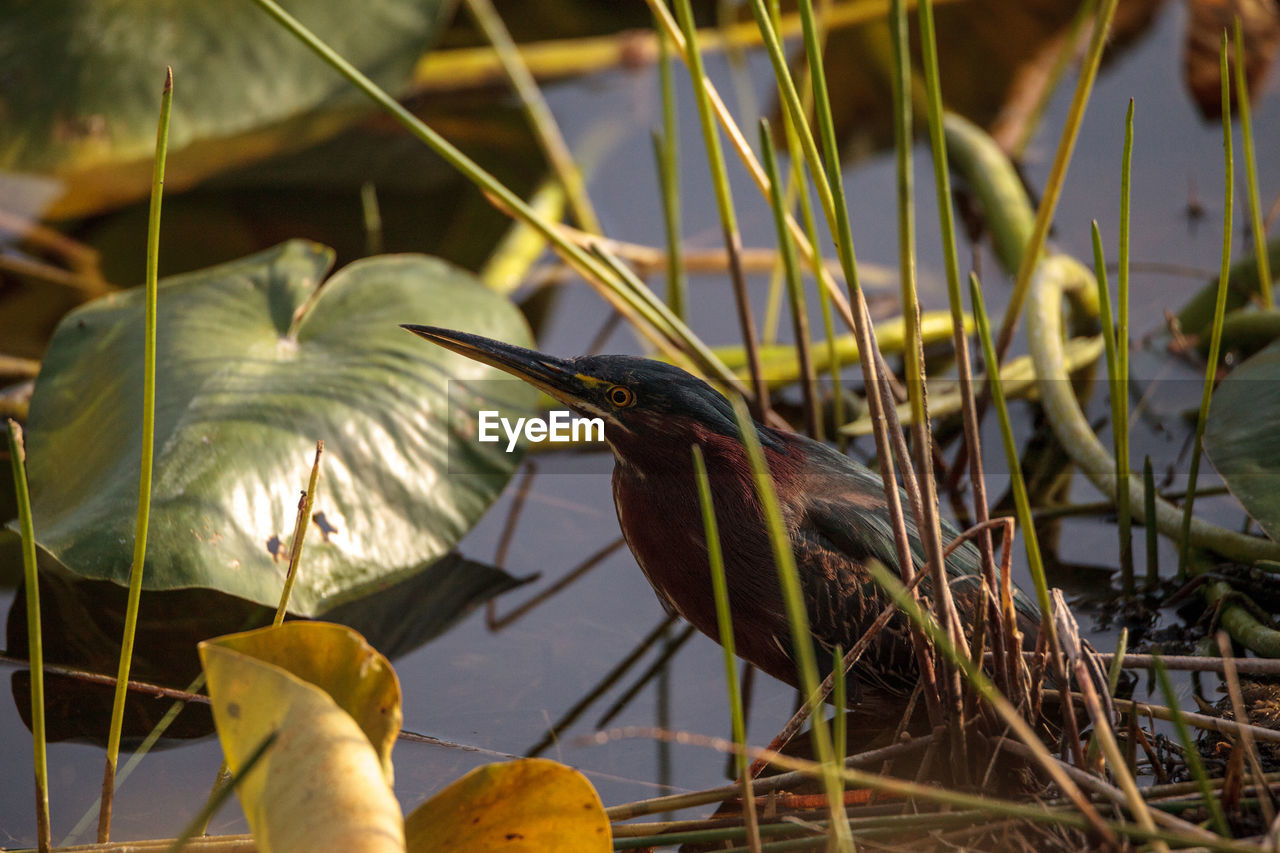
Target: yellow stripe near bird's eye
{"type": "Point", "coordinates": [589, 381]}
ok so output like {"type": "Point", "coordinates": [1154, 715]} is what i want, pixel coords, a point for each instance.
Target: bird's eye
{"type": "Point", "coordinates": [621, 396]}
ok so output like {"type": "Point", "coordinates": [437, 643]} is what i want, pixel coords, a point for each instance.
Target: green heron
{"type": "Point", "coordinates": [834, 508]}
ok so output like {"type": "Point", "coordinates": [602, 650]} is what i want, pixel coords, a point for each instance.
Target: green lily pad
{"type": "Point", "coordinates": [256, 361]}
{"type": "Point", "coordinates": [1242, 440]}
{"type": "Point", "coordinates": [80, 84]}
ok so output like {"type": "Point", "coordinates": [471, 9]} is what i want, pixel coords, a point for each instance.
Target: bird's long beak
{"type": "Point", "coordinates": [554, 375]}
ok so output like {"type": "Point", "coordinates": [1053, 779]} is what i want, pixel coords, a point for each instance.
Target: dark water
{"type": "Point", "coordinates": [496, 692]}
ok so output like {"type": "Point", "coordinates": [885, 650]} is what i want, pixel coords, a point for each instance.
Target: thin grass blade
{"type": "Point", "coordinates": [1219, 310]}
{"type": "Point", "coordinates": [144, 474]}
{"type": "Point", "coordinates": [35, 642]}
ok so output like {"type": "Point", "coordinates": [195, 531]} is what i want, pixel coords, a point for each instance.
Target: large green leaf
{"type": "Point", "coordinates": [80, 83]}
{"type": "Point", "coordinates": [254, 365]}
{"type": "Point", "coordinates": [1242, 439]}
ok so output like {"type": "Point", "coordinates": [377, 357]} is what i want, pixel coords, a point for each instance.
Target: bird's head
{"type": "Point", "coordinates": [647, 406]}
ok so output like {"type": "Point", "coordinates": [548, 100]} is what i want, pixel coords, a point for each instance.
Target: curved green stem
{"type": "Point", "coordinates": [1057, 276]}
{"type": "Point", "coordinates": [1044, 337]}
{"type": "Point", "coordinates": [145, 467]}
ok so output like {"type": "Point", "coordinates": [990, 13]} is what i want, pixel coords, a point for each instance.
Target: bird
{"type": "Point", "coordinates": [835, 512]}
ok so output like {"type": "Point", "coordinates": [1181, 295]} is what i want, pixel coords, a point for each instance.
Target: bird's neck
{"type": "Point", "coordinates": [646, 463]}
{"type": "Point", "coordinates": [658, 508]}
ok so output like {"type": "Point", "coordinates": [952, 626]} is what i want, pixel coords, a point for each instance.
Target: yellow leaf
{"type": "Point", "coordinates": [340, 662]}
{"type": "Point", "coordinates": [322, 786]}
{"type": "Point", "coordinates": [524, 806]}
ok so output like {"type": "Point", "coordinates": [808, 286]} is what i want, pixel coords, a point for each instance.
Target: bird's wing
{"type": "Point", "coordinates": [851, 510]}
{"type": "Point", "coordinates": [841, 523]}
{"type": "Point", "coordinates": [842, 601]}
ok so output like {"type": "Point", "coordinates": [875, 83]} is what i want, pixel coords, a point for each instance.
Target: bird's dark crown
{"type": "Point", "coordinates": [654, 412]}
{"type": "Point", "coordinates": [655, 395]}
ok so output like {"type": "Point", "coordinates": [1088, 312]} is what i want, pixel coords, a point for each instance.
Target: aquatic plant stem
{"type": "Point", "coordinates": [666, 150]}
{"type": "Point", "coordinates": [807, 250]}
{"type": "Point", "coordinates": [828, 180]}
{"type": "Point", "coordinates": [1120, 406]}
{"type": "Point", "coordinates": [767, 784]}
{"type": "Point", "coordinates": [724, 206]}
{"type": "Point", "coordinates": [189, 694]}
{"type": "Point", "coordinates": [1251, 169]}
{"type": "Point", "coordinates": [955, 301]}
{"type": "Point", "coordinates": [1072, 428]}
{"type": "Point", "coordinates": [839, 699]}
{"type": "Point", "coordinates": [1057, 176]}
{"type": "Point", "coordinates": [837, 216]}
{"type": "Point", "coordinates": [1194, 765]}
{"type": "Point", "coordinates": [535, 107]}
{"type": "Point", "coordinates": [1066, 51]}
{"type": "Point", "coordinates": [35, 642]}
{"type": "Point", "coordinates": [145, 467]}
{"type": "Point", "coordinates": [795, 178]}
{"type": "Point", "coordinates": [1117, 394]}
{"type": "Point", "coordinates": [371, 214]}
{"type": "Point", "coordinates": [223, 778]}
{"type": "Point", "coordinates": [1149, 525]}
{"type": "Point", "coordinates": [791, 272]}
{"type": "Point", "coordinates": [928, 522]}
{"type": "Point", "coordinates": [824, 298]}
{"type": "Point", "coordinates": [802, 639]}
{"type": "Point", "coordinates": [1017, 484]}
{"type": "Point", "coordinates": [1215, 337]}
{"type": "Point", "coordinates": [724, 621]}
{"type": "Point", "coordinates": [299, 535]}
{"type": "Point", "coordinates": [221, 793]}
{"type": "Point", "coordinates": [828, 329]}
{"type": "Point", "coordinates": [1107, 740]}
